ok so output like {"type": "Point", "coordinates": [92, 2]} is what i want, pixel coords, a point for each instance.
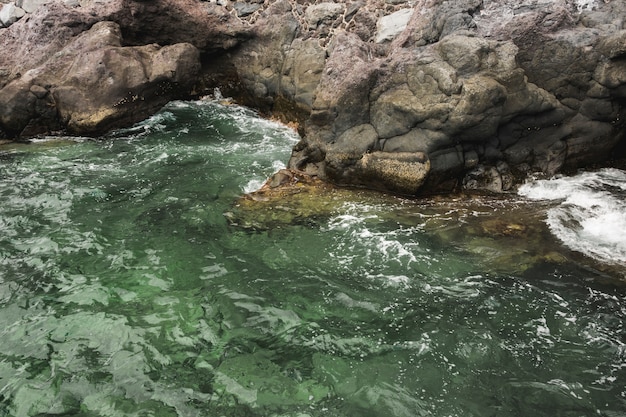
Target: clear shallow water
{"type": "Point", "coordinates": [125, 292]}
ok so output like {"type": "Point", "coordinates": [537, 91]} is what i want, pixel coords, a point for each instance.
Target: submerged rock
{"type": "Point", "coordinates": [503, 233]}
{"type": "Point", "coordinates": [289, 197]}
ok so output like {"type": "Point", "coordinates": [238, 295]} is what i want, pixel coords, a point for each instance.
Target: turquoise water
{"type": "Point", "coordinates": [124, 290]}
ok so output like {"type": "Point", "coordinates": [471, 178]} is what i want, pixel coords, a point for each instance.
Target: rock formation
{"type": "Point", "coordinates": [91, 68]}
{"type": "Point", "coordinates": [404, 96]}
{"type": "Point", "coordinates": [470, 93]}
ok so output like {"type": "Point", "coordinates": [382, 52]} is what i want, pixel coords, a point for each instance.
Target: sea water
{"type": "Point", "coordinates": [591, 214]}
{"type": "Point", "coordinates": [126, 291]}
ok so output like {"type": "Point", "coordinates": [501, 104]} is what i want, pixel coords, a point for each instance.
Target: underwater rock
{"type": "Point", "coordinates": [288, 197]}
{"type": "Point", "coordinates": [504, 235]}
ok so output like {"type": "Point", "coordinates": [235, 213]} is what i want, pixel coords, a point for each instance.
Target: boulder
{"type": "Point", "coordinates": [317, 14]}
{"type": "Point", "coordinates": [390, 26]}
{"type": "Point", "coordinates": [66, 68]}
{"type": "Point", "coordinates": [60, 93]}
{"type": "Point", "coordinates": [30, 6]}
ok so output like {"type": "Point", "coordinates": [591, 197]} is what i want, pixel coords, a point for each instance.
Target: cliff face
{"type": "Point", "coordinates": [434, 95]}
{"type": "Point", "coordinates": [405, 96]}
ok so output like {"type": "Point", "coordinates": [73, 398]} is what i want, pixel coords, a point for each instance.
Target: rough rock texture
{"type": "Point", "coordinates": [102, 65]}
{"type": "Point", "coordinates": [60, 93]}
{"type": "Point", "coordinates": [405, 96]}
{"type": "Point", "coordinates": [471, 93]}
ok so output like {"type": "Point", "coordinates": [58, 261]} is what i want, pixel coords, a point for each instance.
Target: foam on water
{"type": "Point", "coordinates": [357, 222]}
{"type": "Point", "coordinates": [590, 215]}
{"type": "Point", "coordinates": [124, 292]}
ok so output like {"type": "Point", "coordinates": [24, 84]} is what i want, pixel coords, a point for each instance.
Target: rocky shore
{"type": "Point", "coordinates": [404, 96]}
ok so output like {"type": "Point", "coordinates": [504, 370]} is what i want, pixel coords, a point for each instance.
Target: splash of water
{"type": "Point", "coordinates": [590, 212]}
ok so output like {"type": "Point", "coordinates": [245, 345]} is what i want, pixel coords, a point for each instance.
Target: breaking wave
{"type": "Point", "coordinates": [590, 215]}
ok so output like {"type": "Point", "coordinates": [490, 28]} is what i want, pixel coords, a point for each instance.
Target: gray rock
{"type": "Point", "coordinates": [389, 27]}
{"type": "Point", "coordinates": [417, 140]}
{"type": "Point", "coordinates": [397, 111]}
{"type": "Point", "coordinates": [244, 9]}
{"type": "Point", "coordinates": [302, 71]}
{"type": "Point", "coordinates": [10, 14]}
{"type": "Point", "coordinates": [30, 6]}
{"type": "Point", "coordinates": [464, 101]}
{"type": "Point", "coordinates": [323, 12]}
{"type": "Point", "coordinates": [458, 93]}
{"type": "Point", "coordinates": [357, 141]}
{"type": "Point", "coordinates": [494, 179]}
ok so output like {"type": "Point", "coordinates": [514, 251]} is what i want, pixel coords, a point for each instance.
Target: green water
{"type": "Point", "coordinates": [124, 291]}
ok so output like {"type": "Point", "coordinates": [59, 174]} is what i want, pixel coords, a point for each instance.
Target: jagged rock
{"type": "Point", "coordinates": [277, 67]}
{"type": "Point", "coordinates": [206, 25]}
{"type": "Point", "coordinates": [471, 84]}
{"type": "Point", "coordinates": [470, 93]}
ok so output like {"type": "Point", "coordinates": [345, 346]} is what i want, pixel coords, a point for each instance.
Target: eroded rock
{"type": "Point", "coordinates": [60, 93]}
{"type": "Point", "coordinates": [104, 64]}
{"type": "Point", "coordinates": [465, 87]}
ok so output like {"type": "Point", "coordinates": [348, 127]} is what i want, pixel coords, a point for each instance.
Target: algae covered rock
{"type": "Point", "coordinates": [289, 197]}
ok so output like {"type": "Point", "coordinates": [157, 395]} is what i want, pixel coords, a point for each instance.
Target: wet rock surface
{"type": "Point", "coordinates": [410, 97]}
{"type": "Point", "coordinates": [486, 91]}
{"type": "Point", "coordinates": [508, 234]}
{"type": "Point", "coordinates": [288, 197]}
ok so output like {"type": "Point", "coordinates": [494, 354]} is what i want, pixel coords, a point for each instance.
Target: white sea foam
{"type": "Point", "coordinates": [252, 185]}
{"type": "Point", "coordinates": [591, 213]}
{"type": "Point", "coordinates": [360, 237]}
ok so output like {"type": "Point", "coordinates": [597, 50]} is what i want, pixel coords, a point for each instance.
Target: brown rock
{"type": "Point", "coordinates": [132, 81]}
{"type": "Point", "coordinates": [84, 73]}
